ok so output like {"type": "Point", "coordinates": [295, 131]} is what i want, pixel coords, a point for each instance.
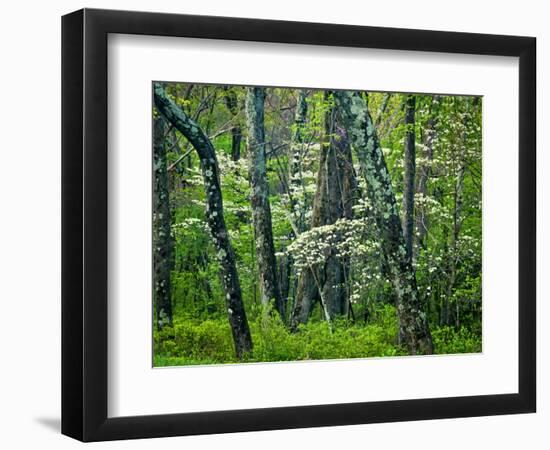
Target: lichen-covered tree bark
{"type": "Point", "coordinates": [333, 201]}
{"type": "Point", "coordinates": [414, 332]}
{"type": "Point", "coordinates": [214, 214]}
{"type": "Point", "coordinates": [163, 244]}
{"type": "Point", "coordinates": [409, 162]}
{"type": "Point", "coordinates": [259, 198]}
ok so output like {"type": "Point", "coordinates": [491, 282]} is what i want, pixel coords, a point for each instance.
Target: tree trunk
{"type": "Point", "coordinates": [296, 155]}
{"type": "Point", "coordinates": [232, 104]}
{"type": "Point", "coordinates": [339, 187]}
{"type": "Point", "coordinates": [333, 201]}
{"type": "Point", "coordinates": [259, 197]}
{"type": "Point", "coordinates": [413, 325]}
{"type": "Point", "coordinates": [457, 225]}
{"type": "Point", "coordinates": [215, 218]}
{"type": "Point", "coordinates": [409, 175]}
{"type": "Point", "coordinates": [284, 276]}
{"type": "Point", "coordinates": [163, 245]}
{"type": "Point", "coordinates": [453, 251]}
{"type": "Point", "coordinates": [423, 174]}
{"type": "Point", "coordinates": [296, 197]}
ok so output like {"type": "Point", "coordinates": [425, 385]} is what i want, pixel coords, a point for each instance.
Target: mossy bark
{"type": "Point", "coordinates": [215, 216]}
{"type": "Point", "coordinates": [414, 331]}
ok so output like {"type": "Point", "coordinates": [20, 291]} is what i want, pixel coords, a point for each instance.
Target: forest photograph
{"type": "Point", "coordinates": [294, 224]}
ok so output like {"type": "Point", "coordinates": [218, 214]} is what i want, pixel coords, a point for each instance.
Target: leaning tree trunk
{"type": "Point", "coordinates": [409, 175]}
{"type": "Point", "coordinates": [333, 201]}
{"type": "Point", "coordinates": [163, 245]}
{"type": "Point", "coordinates": [414, 332]}
{"type": "Point", "coordinates": [259, 197]}
{"type": "Point", "coordinates": [215, 218]}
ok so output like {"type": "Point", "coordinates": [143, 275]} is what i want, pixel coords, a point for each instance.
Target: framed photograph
{"type": "Point", "coordinates": [273, 225]}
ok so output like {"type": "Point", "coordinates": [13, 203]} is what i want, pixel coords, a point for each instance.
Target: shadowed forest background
{"type": "Point", "coordinates": [297, 224]}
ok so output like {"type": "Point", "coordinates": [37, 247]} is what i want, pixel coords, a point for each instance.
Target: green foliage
{"type": "Point", "coordinates": [210, 340]}
{"type": "Point", "coordinates": [207, 340]}
{"type": "Point", "coordinates": [190, 341]}
{"type": "Point", "coordinates": [447, 340]}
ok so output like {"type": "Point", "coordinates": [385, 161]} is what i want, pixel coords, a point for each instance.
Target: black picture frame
{"type": "Point", "coordinates": [84, 224]}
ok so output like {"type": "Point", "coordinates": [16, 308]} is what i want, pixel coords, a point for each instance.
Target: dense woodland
{"type": "Point", "coordinates": [293, 224]}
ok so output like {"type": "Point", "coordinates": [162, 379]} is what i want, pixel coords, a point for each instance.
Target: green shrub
{"type": "Point", "coordinates": [196, 340]}
{"type": "Point", "coordinates": [448, 340]}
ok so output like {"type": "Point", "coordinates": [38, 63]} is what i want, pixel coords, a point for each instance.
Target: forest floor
{"type": "Point", "coordinates": [201, 342]}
